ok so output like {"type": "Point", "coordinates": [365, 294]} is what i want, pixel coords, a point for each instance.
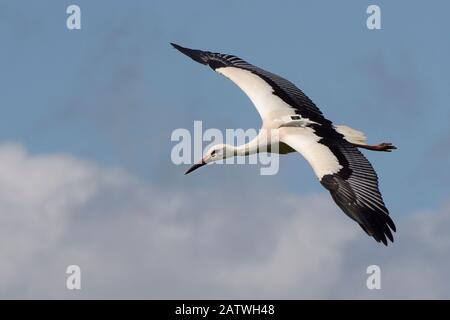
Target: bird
{"type": "Point", "coordinates": [331, 150]}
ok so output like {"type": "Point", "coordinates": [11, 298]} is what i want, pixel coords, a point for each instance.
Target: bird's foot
{"type": "Point", "coordinates": [385, 146]}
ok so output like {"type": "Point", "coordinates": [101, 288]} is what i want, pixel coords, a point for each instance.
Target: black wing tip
{"type": "Point", "coordinates": [196, 55]}
{"type": "Point", "coordinates": [390, 222]}
{"type": "Point", "coordinates": [176, 46]}
{"type": "Point", "coordinates": [380, 228]}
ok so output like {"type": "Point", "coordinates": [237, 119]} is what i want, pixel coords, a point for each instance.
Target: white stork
{"type": "Point", "coordinates": [332, 151]}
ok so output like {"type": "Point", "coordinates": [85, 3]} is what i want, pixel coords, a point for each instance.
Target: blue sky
{"type": "Point", "coordinates": [117, 81]}
{"type": "Point", "coordinates": [113, 92]}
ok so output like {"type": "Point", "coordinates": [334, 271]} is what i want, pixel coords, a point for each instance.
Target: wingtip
{"type": "Point", "coordinates": [385, 238]}
{"type": "Point", "coordinates": [181, 48]}
{"type": "Point", "coordinates": [176, 46]}
{"type": "Point", "coordinates": [196, 55]}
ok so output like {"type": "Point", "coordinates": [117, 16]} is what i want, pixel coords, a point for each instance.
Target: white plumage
{"type": "Point", "coordinates": [332, 151]}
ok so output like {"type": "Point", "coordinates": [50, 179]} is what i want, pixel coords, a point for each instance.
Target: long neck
{"type": "Point", "coordinates": [252, 147]}
{"type": "Point", "coordinates": [246, 149]}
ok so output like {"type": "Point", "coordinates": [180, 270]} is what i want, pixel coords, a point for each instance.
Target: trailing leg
{"type": "Point", "coordinates": [385, 146]}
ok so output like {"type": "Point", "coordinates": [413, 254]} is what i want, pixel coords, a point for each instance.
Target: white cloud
{"type": "Point", "coordinates": [306, 258]}
{"type": "Point", "coordinates": [135, 240]}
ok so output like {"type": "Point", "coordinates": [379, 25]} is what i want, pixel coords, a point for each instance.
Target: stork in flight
{"type": "Point", "coordinates": [331, 150]}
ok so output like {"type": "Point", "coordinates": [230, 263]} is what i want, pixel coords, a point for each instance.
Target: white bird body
{"type": "Point", "coordinates": [292, 122]}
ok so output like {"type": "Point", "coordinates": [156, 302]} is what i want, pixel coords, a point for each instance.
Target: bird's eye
{"type": "Point", "coordinates": [213, 153]}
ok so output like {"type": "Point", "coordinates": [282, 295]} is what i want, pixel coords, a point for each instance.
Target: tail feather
{"type": "Point", "coordinates": [351, 135]}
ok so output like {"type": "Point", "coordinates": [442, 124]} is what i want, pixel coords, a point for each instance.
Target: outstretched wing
{"type": "Point", "coordinates": [271, 94]}
{"type": "Point", "coordinates": [348, 175]}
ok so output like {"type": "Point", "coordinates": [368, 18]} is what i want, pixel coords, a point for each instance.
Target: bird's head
{"type": "Point", "coordinates": [215, 153]}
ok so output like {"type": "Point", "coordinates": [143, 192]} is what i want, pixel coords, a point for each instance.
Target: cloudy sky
{"type": "Point", "coordinates": [86, 176]}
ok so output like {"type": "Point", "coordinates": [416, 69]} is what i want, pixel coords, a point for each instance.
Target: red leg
{"type": "Point", "coordinates": [385, 146]}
